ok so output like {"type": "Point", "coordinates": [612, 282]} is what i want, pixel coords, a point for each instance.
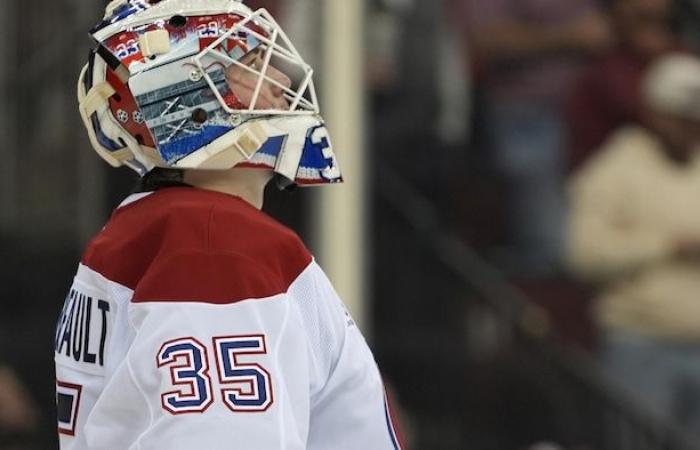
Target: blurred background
{"type": "Point", "coordinates": [523, 181]}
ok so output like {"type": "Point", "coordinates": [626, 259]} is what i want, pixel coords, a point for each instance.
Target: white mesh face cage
{"type": "Point", "coordinates": [301, 96]}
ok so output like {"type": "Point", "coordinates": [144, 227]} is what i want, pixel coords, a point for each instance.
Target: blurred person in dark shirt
{"type": "Point", "coordinates": [527, 54]}
{"type": "Point", "coordinates": [608, 96]}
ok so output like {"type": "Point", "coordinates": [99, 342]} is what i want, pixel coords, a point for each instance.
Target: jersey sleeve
{"type": "Point", "coordinates": [349, 408]}
{"type": "Point", "coordinates": [210, 364]}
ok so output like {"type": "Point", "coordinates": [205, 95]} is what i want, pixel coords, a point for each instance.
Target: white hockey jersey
{"type": "Point", "coordinates": [195, 321]}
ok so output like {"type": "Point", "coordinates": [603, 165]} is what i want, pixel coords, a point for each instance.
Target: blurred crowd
{"type": "Point", "coordinates": [589, 117]}
{"type": "Point", "coordinates": [554, 79]}
{"type": "Point", "coordinates": [577, 170]}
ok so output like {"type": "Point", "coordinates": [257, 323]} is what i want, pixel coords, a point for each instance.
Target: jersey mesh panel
{"type": "Point", "coordinates": [316, 319]}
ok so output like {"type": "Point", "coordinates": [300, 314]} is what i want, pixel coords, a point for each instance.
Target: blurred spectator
{"type": "Point", "coordinates": [608, 96]}
{"type": "Point", "coordinates": [635, 225]}
{"type": "Point", "coordinates": [527, 55]}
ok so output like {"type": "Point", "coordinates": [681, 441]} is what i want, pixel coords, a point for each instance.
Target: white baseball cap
{"type": "Point", "coordinates": [672, 85]}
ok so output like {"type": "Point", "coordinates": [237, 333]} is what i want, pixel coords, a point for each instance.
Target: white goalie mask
{"type": "Point", "coordinates": [158, 91]}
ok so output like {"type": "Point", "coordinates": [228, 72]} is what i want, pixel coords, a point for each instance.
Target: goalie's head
{"type": "Point", "coordinates": [202, 84]}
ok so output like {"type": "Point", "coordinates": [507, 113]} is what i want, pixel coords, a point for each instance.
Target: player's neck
{"type": "Point", "coordinates": [248, 184]}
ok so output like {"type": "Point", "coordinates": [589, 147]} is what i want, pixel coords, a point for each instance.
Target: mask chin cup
{"type": "Point", "coordinates": [295, 130]}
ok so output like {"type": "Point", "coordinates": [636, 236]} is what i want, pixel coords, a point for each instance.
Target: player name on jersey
{"type": "Point", "coordinates": [82, 329]}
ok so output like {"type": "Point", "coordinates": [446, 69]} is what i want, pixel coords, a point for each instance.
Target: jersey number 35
{"type": "Point", "coordinates": [245, 387]}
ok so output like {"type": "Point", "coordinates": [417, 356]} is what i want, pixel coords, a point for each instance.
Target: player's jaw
{"type": "Point", "coordinates": [243, 83]}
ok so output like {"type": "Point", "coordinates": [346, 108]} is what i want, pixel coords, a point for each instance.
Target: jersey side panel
{"type": "Point", "coordinates": [348, 409]}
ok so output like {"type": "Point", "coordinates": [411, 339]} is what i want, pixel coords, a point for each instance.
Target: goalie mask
{"type": "Point", "coordinates": [164, 88]}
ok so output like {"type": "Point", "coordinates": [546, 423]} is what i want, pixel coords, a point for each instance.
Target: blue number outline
{"type": "Point", "coordinates": [259, 395]}
{"type": "Point", "coordinates": [193, 374]}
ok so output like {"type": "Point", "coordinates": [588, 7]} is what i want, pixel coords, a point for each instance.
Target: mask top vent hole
{"type": "Point", "coordinates": [177, 21]}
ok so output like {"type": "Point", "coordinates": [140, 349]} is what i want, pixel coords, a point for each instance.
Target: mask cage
{"type": "Point", "coordinates": [276, 51]}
